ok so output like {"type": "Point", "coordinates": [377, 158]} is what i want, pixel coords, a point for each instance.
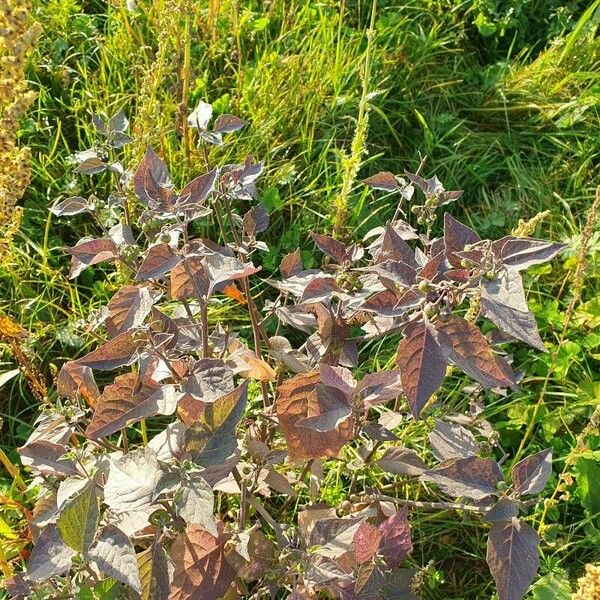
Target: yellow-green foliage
{"type": "Point", "coordinates": [17, 36]}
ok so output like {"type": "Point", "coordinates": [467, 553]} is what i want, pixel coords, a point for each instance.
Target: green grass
{"type": "Point", "coordinates": [513, 120]}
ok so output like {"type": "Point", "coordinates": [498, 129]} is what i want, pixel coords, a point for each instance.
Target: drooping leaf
{"type": "Point", "coordinates": [396, 542]}
{"type": "Point", "coordinates": [90, 252]}
{"type": "Point", "coordinates": [128, 309]}
{"type": "Point", "coordinates": [504, 510]}
{"type": "Point", "coordinates": [79, 517]}
{"type": "Point", "coordinates": [464, 345]}
{"type": "Point", "coordinates": [50, 556]}
{"type": "Point", "coordinates": [200, 116]}
{"type": "Point", "coordinates": [366, 542]}
{"type": "Point", "coordinates": [297, 400]}
{"type": "Point", "coordinates": [114, 554]}
{"type": "Point", "coordinates": [211, 439]}
{"type": "Point", "coordinates": [129, 400]}
{"type": "Point", "coordinates": [46, 457]}
{"type": "Point", "coordinates": [76, 380]}
{"type": "Point", "coordinates": [470, 477]}
{"type": "Point", "coordinates": [119, 352]}
{"type": "Point", "coordinates": [422, 366]}
{"type": "Point", "coordinates": [154, 573]}
{"type": "Point", "coordinates": [512, 555]}
{"type": "Point", "coordinates": [452, 441]}
{"type": "Point", "coordinates": [503, 302]}
{"type": "Point", "coordinates": [160, 259]}
{"type": "Point", "coordinates": [202, 571]}
{"type": "Point", "coordinates": [531, 474]}
{"type": "Point", "coordinates": [90, 166]}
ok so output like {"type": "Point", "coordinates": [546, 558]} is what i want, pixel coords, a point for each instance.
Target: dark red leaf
{"type": "Point", "coordinates": [422, 366]}
{"type": "Point", "coordinates": [512, 555]}
{"type": "Point", "coordinates": [118, 352]}
{"type": "Point", "coordinates": [532, 473]}
{"type": "Point", "coordinates": [366, 542]}
{"type": "Point", "coordinates": [464, 345]}
{"type": "Point", "coordinates": [159, 259]}
{"type": "Point", "coordinates": [396, 544]}
{"type": "Point", "coordinates": [384, 180]}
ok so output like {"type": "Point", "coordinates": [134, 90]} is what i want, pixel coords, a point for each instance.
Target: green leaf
{"type": "Point", "coordinates": [554, 586]}
{"type": "Point", "coordinates": [587, 474]}
{"type": "Point", "coordinates": [79, 519]}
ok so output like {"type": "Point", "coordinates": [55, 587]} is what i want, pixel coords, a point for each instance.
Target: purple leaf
{"type": "Point", "coordinates": [291, 265]}
{"type": "Point", "coordinates": [396, 544]}
{"type": "Point", "coordinates": [256, 220]}
{"type": "Point", "coordinates": [197, 190]}
{"type": "Point", "coordinates": [503, 302]}
{"type": "Point", "coordinates": [90, 252]}
{"type": "Point", "coordinates": [50, 556]}
{"type": "Point", "coordinates": [151, 180]}
{"type": "Point", "coordinates": [228, 124]}
{"type": "Point", "coordinates": [504, 510]}
{"type": "Point", "coordinates": [128, 309]}
{"type": "Point", "coordinates": [159, 259]}
{"type": "Point", "coordinates": [333, 410]}
{"type": "Point", "coordinates": [452, 441]}
{"type": "Point", "coordinates": [532, 473]}
{"type": "Point", "coordinates": [393, 247]}
{"type": "Point", "coordinates": [523, 253]}
{"type": "Point", "coordinates": [422, 366]}
{"type": "Point", "coordinates": [384, 180]}
{"type": "Point", "coordinates": [463, 344]}
{"type": "Point", "coordinates": [402, 461]}
{"type": "Point", "coordinates": [512, 555]}
{"type": "Point", "coordinates": [71, 206]}
{"type": "Point", "coordinates": [470, 477]}
{"type": "Point", "coordinates": [380, 387]}
{"type": "Point", "coordinates": [456, 237]}
{"type": "Point", "coordinates": [332, 248]}
{"type": "Point", "coordinates": [118, 352]}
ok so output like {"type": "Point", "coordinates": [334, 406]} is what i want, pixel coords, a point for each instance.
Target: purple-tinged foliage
{"type": "Point", "coordinates": [234, 418]}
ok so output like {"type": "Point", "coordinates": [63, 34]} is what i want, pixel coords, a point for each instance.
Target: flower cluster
{"type": "Point", "coordinates": [589, 584]}
{"type": "Point", "coordinates": [17, 36]}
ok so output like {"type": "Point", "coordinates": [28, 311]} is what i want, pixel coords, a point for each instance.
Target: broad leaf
{"type": "Point", "coordinates": [366, 542]}
{"type": "Point", "coordinates": [130, 487]}
{"type": "Point", "coordinates": [396, 543]}
{"type": "Point", "coordinates": [512, 555]}
{"type": "Point", "coordinates": [194, 503]}
{"type": "Point", "coordinates": [532, 473]}
{"type": "Point", "coordinates": [452, 441]}
{"type": "Point", "coordinates": [114, 554]}
{"type": "Point", "coordinates": [470, 477]}
{"type": "Point", "coordinates": [456, 237]}
{"type": "Point", "coordinates": [197, 190]}
{"type": "Point", "coordinates": [76, 380]}
{"type": "Point", "coordinates": [522, 253]}
{"type": "Point", "coordinates": [50, 556]}
{"type": "Point", "coordinates": [151, 180]}
{"type": "Point", "coordinates": [503, 302]}
{"type": "Point", "coordinates": [71, 206]}
{"type": "Point", "coordinates": [402, 461]}
{"type": "Point", "coordinates": [202, 571]}
{"type": "Point", "coordinates": [127, 401]}
{"type": "Point", "coordinates": [504, 510]}
{"type": "Point", "coordinates": [128, 309]}
{"type": "Point", "coordinates": [384, 180]}
{"type": "Point", "coordinates": [332, 410]}
{"type": "Point", "coordinates": [211, 439]}
{"type": "Point", "coordinates": [422, 366]}
{"type": "Point", "coordinates": [464, 345]}
{"type": "Point", "coordinates": [90, 252]}
{"type": "Point", "coordinates": [119, 352]}
{"type": "Point", "coordinates": [228, 124]}
{"type": "Point", "coordinates": [160, 259]}
{"type": "Point", "coordinates": [79, 517]}
{"type": "Point", "coordinates": [297, 400]}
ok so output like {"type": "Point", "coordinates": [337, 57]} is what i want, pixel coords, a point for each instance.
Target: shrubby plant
{"type": "Point", "coordinates": [203, 509]}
